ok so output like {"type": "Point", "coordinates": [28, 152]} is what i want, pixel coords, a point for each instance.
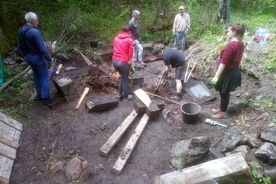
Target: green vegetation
{"type": "Point", "coordinates": [255, 169]}
{"type": "Point", "coordinates": [73, 23]}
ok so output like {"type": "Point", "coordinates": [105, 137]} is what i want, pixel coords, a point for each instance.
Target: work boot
{"type": "Point", "coordinates": [127, 98]}
{"type": "Point", "coordinates": [177, 97]}
{"type": "Point", "coordinates": [143, 64]}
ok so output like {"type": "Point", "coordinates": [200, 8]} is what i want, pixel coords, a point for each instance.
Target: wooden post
{"type": "Point", "coordinates": [115, 137]}
{"type": "Point", "coordinates": [82, 97]}
{"type": "Point", "coordinates": [231, 168]}
{"type": "Point", "coordinates": [129, 147]}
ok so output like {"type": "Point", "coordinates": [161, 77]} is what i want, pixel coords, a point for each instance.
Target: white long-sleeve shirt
{"type": "Point", "coordinates": [181, 22]}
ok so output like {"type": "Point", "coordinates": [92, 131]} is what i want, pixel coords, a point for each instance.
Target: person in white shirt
{"type": "Point", "coordinates": [181, 26]}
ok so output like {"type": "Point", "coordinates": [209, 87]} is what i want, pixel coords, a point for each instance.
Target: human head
{"type": "Point", "coordinates": [181, 9]}
{"type": "Point", "coordinates": [125, 28]}
{"type": "Point", "coordinates": [236, 30]}
{"type": "Point", "coordinates": [135, 14]}
{"type": "Point", "coordinates": [31, 18]}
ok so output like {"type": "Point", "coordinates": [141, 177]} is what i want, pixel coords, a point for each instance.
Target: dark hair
{"type": "Point", "coordinates": [238, 28]}
{"type": "Point", "coordinates": [125, 28]}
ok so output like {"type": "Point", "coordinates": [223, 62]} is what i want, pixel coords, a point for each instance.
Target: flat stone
{"type": "Point", "coordinates": [231, 139]}
{"type": "Point", "coordinates": [63, 85]}
{"type": "Point", "coordinates": [267, 153]}
{"type": "Point", "coordinates": [57, 167]}
{"type": "Point", "coordinates": [252, 141]}
{"type": "Point", "coordinates": [188, 152]}
{"type": "Point", "coordinates": [101, 103]}
{"type": "Point", "coordinates": [269, 135]}
{"type": "Point", "coordinates": [74, 169]}
{"type": "Point", "coordinates": [243, 149]}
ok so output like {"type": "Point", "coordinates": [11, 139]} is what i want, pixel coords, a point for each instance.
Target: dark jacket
{"type": "Point", "coordinates": [31, 44]}
{"type": "Point", "coordinates": [173, 57]}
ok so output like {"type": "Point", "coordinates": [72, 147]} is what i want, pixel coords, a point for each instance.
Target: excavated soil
{"type": "Point", "coordinates": [62, 132]}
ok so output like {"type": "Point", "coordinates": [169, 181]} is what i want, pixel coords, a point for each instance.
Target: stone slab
{"type": "Point", "coordinates": [101, 103]}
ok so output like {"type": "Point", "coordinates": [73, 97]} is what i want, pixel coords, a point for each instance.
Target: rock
{"type": "Point", "coordinates": [74, 169]}
{"type": "Point", "coordinates": [232, 139]}
{"type": "Point", "coordinates": [8, 61]}
{"type": "Point", "coordinates": [243, 149]}
{"type": "Point", "coordinates": [271, 173]}
{"type": "Point", "coordinates": [188, 152]}
{"type": "Point", "coordinates": [267, 153]}
{"type": "Point", "coordinates": [176, 153]}
{"type": "Point", "coordinates": [57, 167]}
{"type": "Point", "coordinates": [269, 135]}
{"type": "Point", "coordinates": [252, 141]}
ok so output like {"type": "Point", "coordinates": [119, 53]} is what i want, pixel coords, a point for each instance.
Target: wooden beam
{"type": "Point", "coordinates": [7, 151]}
{"type": "Point", "coordinates": [143, 96]}
{"type": "Point", "coordinates": [82, 97]}
{"type": "Point", "coordinates": [9, 135]}
{"type": "Point", "coordinates": [5, 169]}
{"type": "Point", "coordinates": [129, 147]}
{"type": "Point", "coordinates": [11, 122]}
{"type": "Point", "coordinates": [115, 137]}
{"type": "Point", "coordinates": [231, 167]}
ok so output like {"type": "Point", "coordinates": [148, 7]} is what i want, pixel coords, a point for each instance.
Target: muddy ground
{"type": "Point", "coordinates": [62, 133]}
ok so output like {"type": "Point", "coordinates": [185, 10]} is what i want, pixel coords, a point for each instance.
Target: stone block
{"type": "Point", "coordinates": [101, 103]}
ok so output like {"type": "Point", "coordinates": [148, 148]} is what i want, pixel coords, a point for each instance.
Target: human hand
{"type": "Point", "coordinates": [51, 70]}
{"type": "Point", "coordinates": [214, 80]}
{"type": "Point", "coordinates": [173, 31]}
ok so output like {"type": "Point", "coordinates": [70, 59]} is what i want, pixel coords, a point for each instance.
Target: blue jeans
{"type": "Point", "coordinates": [123, 69]}
{"type": "Point", "coordinates": [41, 79]}
{"type": "Point", "coordinates": [180, 38]}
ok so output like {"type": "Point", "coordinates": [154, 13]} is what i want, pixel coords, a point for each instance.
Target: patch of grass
{"type": "Point", "coordinates": [255, 168]}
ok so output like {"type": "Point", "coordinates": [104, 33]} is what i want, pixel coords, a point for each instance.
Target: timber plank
{"type": "Point", "coordinates": [11, 122]}
{"type": "Point", "coordinates": [233, 167]}
{"type": "Point", "coordinates": [7, 151]}
{"type": "Point", "coordinates": [5, 169]}
{"type": "Point", "coordinates": [9, 135]}
{"type": "Point", "coordinates": [114, 138]}
{"type": "Point", "coordinates": [129, 147]}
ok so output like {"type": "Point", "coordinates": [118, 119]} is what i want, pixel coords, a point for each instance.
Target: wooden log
{"type": "Point", "coordinates": [115, 137]}
{"type": "Point", "coordinates": [11, 122]}
{"type": "Point", "coordinates": [101, 103]}
{"type": "Point", "coordinates": [7, 151]}
{"type": "Point", "coordinates": [15, 77]}
{"type": "Point", "coordinates": [5, 169]}
{"type": "Point", "coordinates": [232, 168]}
{"type": "Point", "coordinates": [9, 135]}
{"type": "Point", "coordinates": [86, 90]}
{"type": "Point", "coordinates": [129, 147]}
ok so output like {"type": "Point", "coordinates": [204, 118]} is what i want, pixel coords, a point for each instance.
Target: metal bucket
{"type": "Point", "coordinates": [190, 112]}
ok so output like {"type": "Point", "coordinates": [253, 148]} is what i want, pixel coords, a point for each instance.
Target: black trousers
{"type": "Point", "coordinates": [224, 100]}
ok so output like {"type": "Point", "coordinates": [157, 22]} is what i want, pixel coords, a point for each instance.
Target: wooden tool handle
{"type": "Point", "coordinates": [82, 97]}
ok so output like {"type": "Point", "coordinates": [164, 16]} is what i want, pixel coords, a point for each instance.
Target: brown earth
{"type": "Point", "coordinates": [63, 132]}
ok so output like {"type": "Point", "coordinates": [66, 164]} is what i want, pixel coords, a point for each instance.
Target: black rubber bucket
{"type": "Point", "coordinates": [190, 112]}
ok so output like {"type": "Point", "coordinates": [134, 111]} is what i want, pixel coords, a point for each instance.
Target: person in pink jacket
{"type": "Point", "coordinates": [121, 58]}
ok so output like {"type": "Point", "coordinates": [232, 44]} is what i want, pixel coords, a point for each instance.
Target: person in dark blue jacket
{"type": "Point", "coordinates": [36, 54]}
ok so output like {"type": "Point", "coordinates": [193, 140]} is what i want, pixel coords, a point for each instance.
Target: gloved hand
{"type": "Point", "coordinates": [51, 70]}
{"type": "Point", "coordinates": [214, 80]}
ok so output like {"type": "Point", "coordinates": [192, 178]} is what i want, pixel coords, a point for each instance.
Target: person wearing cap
{"type": "Point", "coordinates": [36, 54]}
{"type": "Point", "coordinates": [181, 26]}
{"type": "Point", "coordinates": [135, 33]}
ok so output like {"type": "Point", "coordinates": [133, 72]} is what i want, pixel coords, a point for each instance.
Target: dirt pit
{"type": "Point", "coordinates": [62, 133]}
